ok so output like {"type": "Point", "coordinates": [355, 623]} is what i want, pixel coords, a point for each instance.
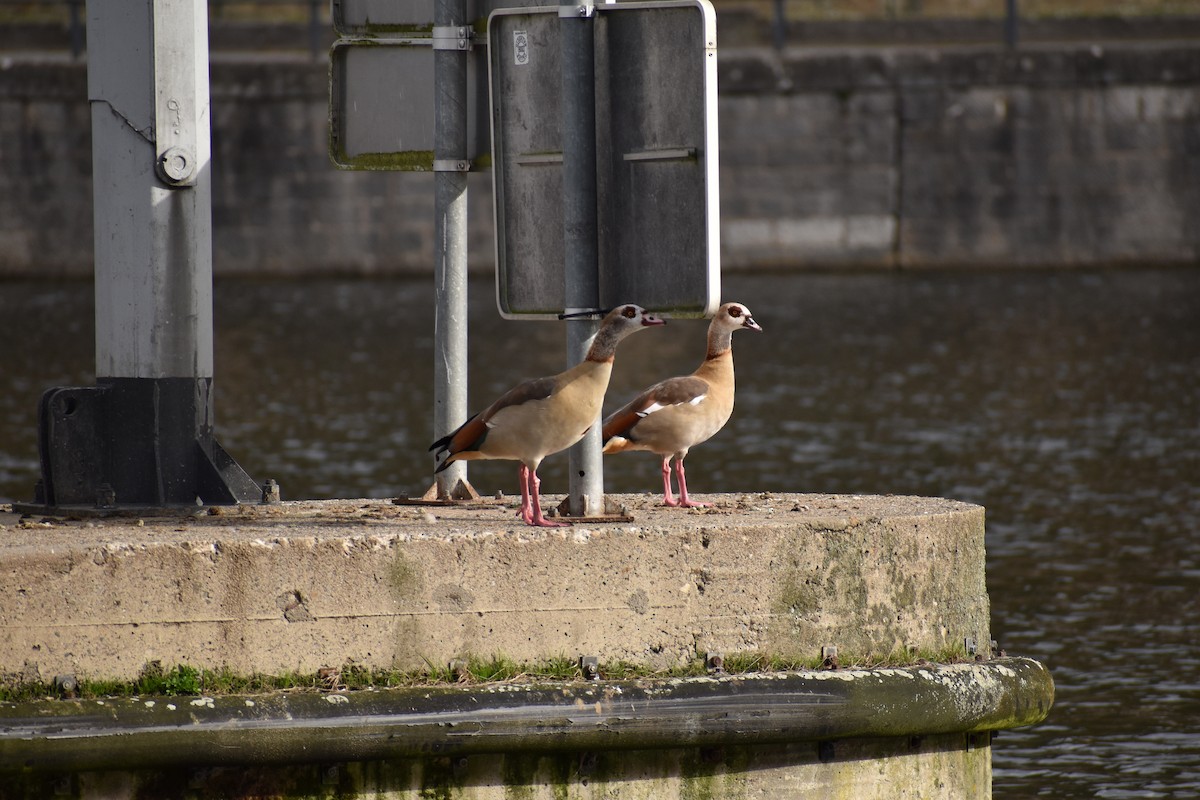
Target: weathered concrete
{"type": "Point", "coordinates": [304, 585]}
{"type": "Point", "coordinates": [867, 732]}
{"type": "Point", "coordinates": [1079, 153]}
{"type": "Point", "coordinates": [526, 716]}
{"type": "Point", "coordinates": [940, 767]}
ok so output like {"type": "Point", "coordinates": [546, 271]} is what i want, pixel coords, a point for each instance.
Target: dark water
{"type": "Point", "coordinates": [1067, 404]}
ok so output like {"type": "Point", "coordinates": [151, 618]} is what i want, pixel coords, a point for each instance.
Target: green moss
{"type": "Point", "coordinates": [403, 578]}
{"type": "Point", "coordinates": [407, 161]}
{"type": "Point", "coordinates": [797, 596]}
{"type": "Point", "coordinates": [182, 679]}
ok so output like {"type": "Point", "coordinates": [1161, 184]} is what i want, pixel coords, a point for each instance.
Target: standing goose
{"type": "Point", "coordinates": [677, 414]}
{"type": "Point", "coordinates": [544, 415]}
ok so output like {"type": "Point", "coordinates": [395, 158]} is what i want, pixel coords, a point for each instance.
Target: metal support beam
{"type": "Point", "coordinates": [581, 275]}
{"type": "Point", "coordinates": [450, 240]}
{"type": "Point", "coordinates": [1012, 19]}
{"type": "Point", "coordinates": [143, 436]}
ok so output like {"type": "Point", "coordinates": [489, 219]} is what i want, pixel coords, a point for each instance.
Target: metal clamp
{"type": "Point", "coordinates": [451, 165]}
{"type": "Point", "coordinates": [452, 37]}
{"type": "Point", "coordinates": [177, 96]}
{"type": "Point", "coordinates": [583, 10]}
{"type": "Point", "coordinates": [580, 313]}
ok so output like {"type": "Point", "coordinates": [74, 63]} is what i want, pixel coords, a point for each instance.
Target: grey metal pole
{"type": "Point", "coordinates": [451, 42]}
{"type": "Point", "coordinates": [1012, 18]}
{"type": "Point", "coordinates": [581, 274]}
{"type": "Point", "coordinates": [143, 436]}
{"type": "Point", "coordinates": [153, 226]}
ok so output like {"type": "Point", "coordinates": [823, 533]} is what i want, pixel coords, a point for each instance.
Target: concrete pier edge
{"type": "Point", "coordinates": [280, 728]}
{"type": "Point", "coordinates": [298, 587]}
{"type": "Point", "coordinates": [301, 586]}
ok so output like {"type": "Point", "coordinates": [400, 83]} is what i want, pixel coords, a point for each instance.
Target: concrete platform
{"type": "Point", "coordinates": [875, 733]}
{"type": "Point", "coordinates": [304, 585]}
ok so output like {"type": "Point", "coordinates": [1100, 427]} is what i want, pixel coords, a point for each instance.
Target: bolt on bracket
{"type": "Point", "coordinates": [452, 37]}
{"type": "Point", "coordinates": [270, 493]}
{"type": "Point", "coordinates": [178, 100]}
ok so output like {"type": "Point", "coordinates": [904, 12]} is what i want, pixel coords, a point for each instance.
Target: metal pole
{"type": "Point", "coordinates": [779, 26]}
{"type": "Point", "coordinates": [143, 436]}
{"type": "Point", "coordinates": [148, 87]}
{"type": "Point", "coordinates": [581, 274]}
{"type": "Point", "coordinates": [1011, 18]}
{"type": "Point", "coordinates": [451, 42]}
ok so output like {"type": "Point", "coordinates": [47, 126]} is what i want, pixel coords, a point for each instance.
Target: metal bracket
{"type": "Point", "coordinates": [577, 11]}
{"type": "Point", "coordinates": [666, 154]}
{"type": "Point", "coordinates": [583, 313]}
{"type": "Point", "coordinates": [539, 159]}
{"type": "Point", "coordinates": [176, 114]}
{"type": "Point", "coordinates": [451, 165]}
{"type": "Point", "coordinates": [452, 37]}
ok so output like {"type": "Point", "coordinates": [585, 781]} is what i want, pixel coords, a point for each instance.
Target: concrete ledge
{"type": "Point", "coordinates": [299, 586]}
{"type": "Point", "coordinates": [579, 716]}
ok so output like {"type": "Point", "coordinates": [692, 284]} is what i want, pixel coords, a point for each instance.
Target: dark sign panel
{"type": "Point", "coordinates": [656, 133]}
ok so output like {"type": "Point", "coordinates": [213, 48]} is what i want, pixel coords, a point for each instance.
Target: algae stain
{"type": "Point", "coordinates": [404, 579]}
{"type": "Point", "coordinates": [797, 596]}
{"type": "Point", "coordinates": [519, 774]}
{"type": "Point", "coordinates": [697, 788]}
{"type": "Point", "coordinates": [844, 569]}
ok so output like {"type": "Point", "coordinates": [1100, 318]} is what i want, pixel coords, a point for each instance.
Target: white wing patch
{"type": "Point", "coordinates": [650, 409]}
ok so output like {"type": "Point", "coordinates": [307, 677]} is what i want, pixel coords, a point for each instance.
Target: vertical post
{"type": "Point", "coordinates": [1011, 18]}
{"type": "Point", "coordinates": [143, 436]}
{"type": "Point", "coordinates": [153, 218]}
{"type": "Point", "coordinates": [779, 26]}
{"type": "Point", "coordinates": [581, 274]}
{"type": "Point", "coordinates": [451, 40]}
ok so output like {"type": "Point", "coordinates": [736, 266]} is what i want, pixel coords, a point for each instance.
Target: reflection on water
{"type": "Point", "coordinates": [1067, 404]}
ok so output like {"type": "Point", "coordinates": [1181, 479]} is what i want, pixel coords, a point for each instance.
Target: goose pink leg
{"type": "Point", "coordinates": [684, 502]}
{"type": "Point", "coordinates": [668, 495]}
{"type": "Point", "coordinates": [531, 500]}
{"type": "Point", "coordinates": [526, 512]}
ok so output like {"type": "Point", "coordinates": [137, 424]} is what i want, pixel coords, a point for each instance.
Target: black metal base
{"type": "Point", "coordinates": [145, 442]}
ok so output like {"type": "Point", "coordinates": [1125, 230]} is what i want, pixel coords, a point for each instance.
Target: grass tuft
{"type": "Point", "coordinates": [182, 680]}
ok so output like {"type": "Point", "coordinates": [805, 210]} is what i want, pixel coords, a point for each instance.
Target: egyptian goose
{"type": "Point", "coordinates": [545, 415]}
{"type": "Point", "coordinates": [677, 414]}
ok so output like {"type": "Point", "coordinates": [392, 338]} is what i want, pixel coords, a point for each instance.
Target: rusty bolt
{"type": "Point", "coordinates": [66, 685]}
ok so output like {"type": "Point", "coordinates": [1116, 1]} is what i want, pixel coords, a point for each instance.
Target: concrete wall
{"type": "Point", "coordinates": [298, 586]}
{"type": "Point", "coordinates": [1051, 155]}
{"type": "Point", "coordinates": [967, 157]}
{"type": "Point", "coordinates": [302, 586]}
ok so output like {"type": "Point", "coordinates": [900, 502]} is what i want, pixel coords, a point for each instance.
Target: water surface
{"type": "Point", "coordinates": [1067, 404]}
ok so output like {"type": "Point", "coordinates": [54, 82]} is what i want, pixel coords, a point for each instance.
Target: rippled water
{"type": "Point", "coordinates": [1067, 404]}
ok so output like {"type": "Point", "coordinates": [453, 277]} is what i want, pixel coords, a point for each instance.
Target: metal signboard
{"type": "Point", "coordinates": [657, 158]}
{"type": "Point", "coordinates": [381, 104]}
{"type": "Point", "coordinates": [376, 17]}
{"type": "Point", "coordinates": [381, 84]}
{"type": "Point", "coordinates": [396, 17]}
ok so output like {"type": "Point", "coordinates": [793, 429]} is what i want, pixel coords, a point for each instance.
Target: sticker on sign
{"type": "Point", "coordinates": [520, 48]}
